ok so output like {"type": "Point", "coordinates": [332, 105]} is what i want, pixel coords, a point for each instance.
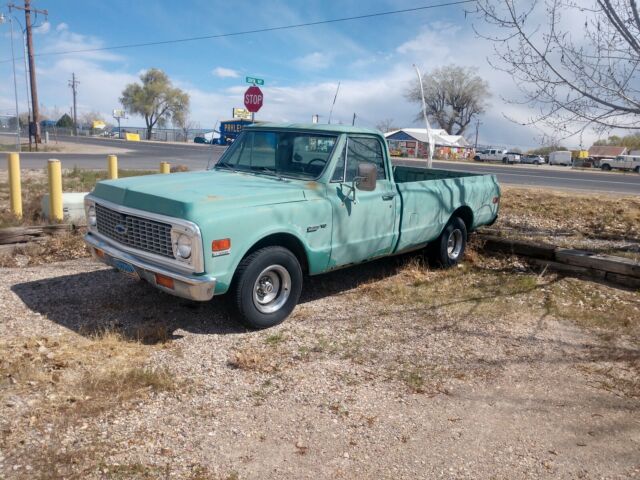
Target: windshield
{"type": "Point", "coordinates": [286, 154]}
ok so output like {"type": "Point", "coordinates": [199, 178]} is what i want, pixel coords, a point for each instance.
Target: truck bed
{"type": "Point", "coordinates": [429, 197]}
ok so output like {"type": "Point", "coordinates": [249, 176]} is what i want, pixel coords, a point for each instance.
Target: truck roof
{"type": "Point", "coordinates": [319, 127]}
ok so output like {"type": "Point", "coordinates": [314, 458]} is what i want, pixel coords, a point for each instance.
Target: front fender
{"type": "Point", "coordinates": [247, 227]}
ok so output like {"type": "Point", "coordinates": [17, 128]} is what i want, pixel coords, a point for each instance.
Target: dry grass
{"type": "Point", "coordinates": [587, 214]}
{"type": "Point", "coordinates": [78, 376]}
{"type": "Point", "coordinates": [65, 382]}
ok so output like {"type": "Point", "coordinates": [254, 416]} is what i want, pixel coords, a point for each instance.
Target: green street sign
{"type": "Point", "coordinates": [255, 81]}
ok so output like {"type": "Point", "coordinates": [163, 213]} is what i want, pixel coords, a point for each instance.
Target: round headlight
{"type": "Point", "coordinates": [91, 216]}
{"type": "Point", "coordinates": [183, 246]}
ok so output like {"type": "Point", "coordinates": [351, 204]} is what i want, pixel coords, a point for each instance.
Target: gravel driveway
{"type": "Point", "coordinates": [385, 371]}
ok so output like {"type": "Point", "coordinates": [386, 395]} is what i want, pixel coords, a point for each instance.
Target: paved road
{"type": "Point", "coordinates": [549, 177]}
{"type": "Point", "coordinates": [145, 156]}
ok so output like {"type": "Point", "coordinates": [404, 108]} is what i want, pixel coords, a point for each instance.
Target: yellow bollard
{"type": "Point", "coordinates": [112, 166]}
{"type": "Point", "coordinates": [165, 167]}
{"type": "Point", "coordinates": [55, 190]}
{"type": "Point", "coordinates": [15, 187]}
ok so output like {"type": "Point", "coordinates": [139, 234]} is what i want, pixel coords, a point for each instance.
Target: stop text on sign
{"type": "Point", "coordinates": [253, 99]}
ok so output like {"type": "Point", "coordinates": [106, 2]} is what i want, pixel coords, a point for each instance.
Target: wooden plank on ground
{"type": "Point", "coordinates": [607, 263]}
{"type": "Point", "coordinates": [518, 247]}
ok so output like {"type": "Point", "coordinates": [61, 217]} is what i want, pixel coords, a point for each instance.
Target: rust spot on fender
{"type": "Point", "coordinates": [312, 185]}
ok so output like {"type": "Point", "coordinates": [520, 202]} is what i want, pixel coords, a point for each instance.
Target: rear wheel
{"type": "Point", "coordinates": [606, 167]}
{"type": "Point", "coordinates": [637, 169]}
{"type": "Point", "coordinates": [448, 249]}
{"type": "Point", "coordinates": [267, 287]}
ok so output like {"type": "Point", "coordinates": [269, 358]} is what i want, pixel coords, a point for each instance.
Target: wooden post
{"type": "Point", "coordinates": [15, 188]}
{"type": "Point", "coordinates": [55, 190]}
{"type": "Point", "coordinates": [112, 166]}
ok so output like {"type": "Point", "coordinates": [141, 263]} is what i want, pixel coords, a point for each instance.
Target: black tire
{"type": "Point", "coordinates": [537, 163]}
{"type": "Point", "coordinates": [637, 169]}
{"type": "Point", "coordinates": [440, 252]}
{"type": "Point", "coordinates": [477, 158]}
{"type": "Point", "coordinates": [280, 271]}
{"type": "Point", "coordinates": [606, 167]}
{"type": "Point", "coordinates": [505, 160]}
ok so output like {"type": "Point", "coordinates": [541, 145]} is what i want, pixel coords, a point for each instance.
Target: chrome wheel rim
{"type": "Point", "coordinates": [454, 244]}
{"type": "Point", "coordinates": [271, 289]}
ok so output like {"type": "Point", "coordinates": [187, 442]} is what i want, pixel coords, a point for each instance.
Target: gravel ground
{"type": "Point", "coordinates": [386, 371]}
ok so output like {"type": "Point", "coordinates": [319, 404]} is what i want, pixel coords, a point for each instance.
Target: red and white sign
{"type": "Point", "coordinates": [253, 99]}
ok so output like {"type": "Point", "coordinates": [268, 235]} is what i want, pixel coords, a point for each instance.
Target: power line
{"type": "Point", "coordinates": [257, 30]}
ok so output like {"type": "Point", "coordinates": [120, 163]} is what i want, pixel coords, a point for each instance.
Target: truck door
{"type": "Point", "coordinates": [364, 226]}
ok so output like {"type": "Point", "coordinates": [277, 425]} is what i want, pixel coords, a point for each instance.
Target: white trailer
{"type": "Point", "coordinates": [561, 157]}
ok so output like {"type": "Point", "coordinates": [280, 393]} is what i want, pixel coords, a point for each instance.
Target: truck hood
{"type": "Point", "coordinates": [180, 194]}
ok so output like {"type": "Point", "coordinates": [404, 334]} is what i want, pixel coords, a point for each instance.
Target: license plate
{"type": "Point", "coordinates": [126, 268]}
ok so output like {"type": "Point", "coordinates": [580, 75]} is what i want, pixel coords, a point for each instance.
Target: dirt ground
{"type": "Point", "coordinates": [389, 370]}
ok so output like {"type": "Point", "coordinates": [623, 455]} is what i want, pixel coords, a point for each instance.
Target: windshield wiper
{"type": "Point", "coordinates": [224, 165]}
{"type": "Point", "coordinates": [268, 171]}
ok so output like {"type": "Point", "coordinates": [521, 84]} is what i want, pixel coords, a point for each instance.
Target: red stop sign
{"type": "Point", "coordinates": [253, 99]}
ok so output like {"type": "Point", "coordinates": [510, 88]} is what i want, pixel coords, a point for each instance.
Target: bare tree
{"type": "Point", "coordinates": [185, 124]}
{"type": "Point", "coordinates": [575, 61]}
{"type": "Point", "coordinates": [386, 125]}
{"type": "Point", "coordinates": [454, 96]}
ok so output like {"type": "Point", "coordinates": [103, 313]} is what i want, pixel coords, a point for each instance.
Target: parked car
{"type": "Point", "coordinates": [497, 155]}
{"type": "Point", "coordinates": [283, 201]}
{"type": "Point", "coordinates": [561, 157]}
{"type": "Point", "coordinates": [200, 140]}
{"type": "Point", "coordinates": [532, 159]}
{"type": "Point", "coordinates": [621, 162]}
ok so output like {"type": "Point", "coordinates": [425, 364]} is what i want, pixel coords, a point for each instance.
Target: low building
{"type": "Point", "coordinates": [606, 151]}
{"type": "Point", "coordinates": [413, 142]}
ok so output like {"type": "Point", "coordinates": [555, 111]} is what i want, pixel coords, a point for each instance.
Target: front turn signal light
{"type": "Point", "coordinates": [221, 246]}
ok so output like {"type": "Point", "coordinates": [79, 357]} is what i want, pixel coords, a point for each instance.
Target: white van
{"type": "Point", "coordinates": [621, 162]}
{"type": "Point", "coordinates": [561, 157]}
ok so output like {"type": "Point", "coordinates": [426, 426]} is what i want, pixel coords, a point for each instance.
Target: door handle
{"type": "Point", "coordinates": [388, 196]}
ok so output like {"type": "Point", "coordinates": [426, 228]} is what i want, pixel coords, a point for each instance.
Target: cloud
{"type": "Point", "coordinates": [42, 29]}
{"type": "Point", "coordinates": [315, 61]}
{"type": "Point", "coordinates": [62, 26]}
{"type": "Point", "coordinates": [223, 72]}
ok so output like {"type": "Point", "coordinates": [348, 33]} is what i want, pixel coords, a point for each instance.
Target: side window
{"type": "Point", "coordinates": [338, 173]}
{"type": "Point", "coordinates": [364, 149]}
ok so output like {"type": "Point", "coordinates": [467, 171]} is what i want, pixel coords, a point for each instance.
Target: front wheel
{"type": "Point", "coordinates": [637, 169]}
{"type": "Point", "coordinates": [606, 167]}
{"type": "Point", "coordinates": [448, 249]}
{"type": "Point", "coordinates": [267, 287]}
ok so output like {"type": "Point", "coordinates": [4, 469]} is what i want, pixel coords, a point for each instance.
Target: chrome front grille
{"type": "Point", "coordinates": [135, 232]}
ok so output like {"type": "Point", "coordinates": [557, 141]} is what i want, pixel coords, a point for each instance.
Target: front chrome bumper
{"type": "Point", "coordinates": [193, 287]}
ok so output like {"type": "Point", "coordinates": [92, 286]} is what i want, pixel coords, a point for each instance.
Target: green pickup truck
{"type": "Point", "coordinates": [283, 201]}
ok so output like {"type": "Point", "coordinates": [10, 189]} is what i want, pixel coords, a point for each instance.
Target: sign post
{"type": "Point", "coordinates": [119, 114]}
{"type": "Point", "coordinates": [253, 100]}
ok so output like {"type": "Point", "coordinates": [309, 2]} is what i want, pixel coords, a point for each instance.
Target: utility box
{"type": "Point", "coordinates": [72, 206]}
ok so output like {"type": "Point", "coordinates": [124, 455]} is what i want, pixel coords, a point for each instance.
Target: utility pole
{"type": "Point", "coordinates": [34, 127]}
{"type": "Point", "coordinates": [353, 122]}
{"type": "Point", "coordinates": [73, 83]}
{"type": "Point", "coordinates": [477, 128]}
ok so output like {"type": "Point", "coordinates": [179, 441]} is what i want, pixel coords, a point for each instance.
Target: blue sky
{"type": "Point", "coordinates": [372, 58]}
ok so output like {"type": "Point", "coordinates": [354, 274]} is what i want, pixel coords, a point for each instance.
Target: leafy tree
{"type": "Point", "coordinates": [65, 121]}
{"type": "Point", "coordinates": [155, 99]}
{"type": "Point", "coordinates": [576, 62]}
{"type": "Point", "coordinates": [454, 96]}
{"type": "Point", "coordinates": [632, 141]}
